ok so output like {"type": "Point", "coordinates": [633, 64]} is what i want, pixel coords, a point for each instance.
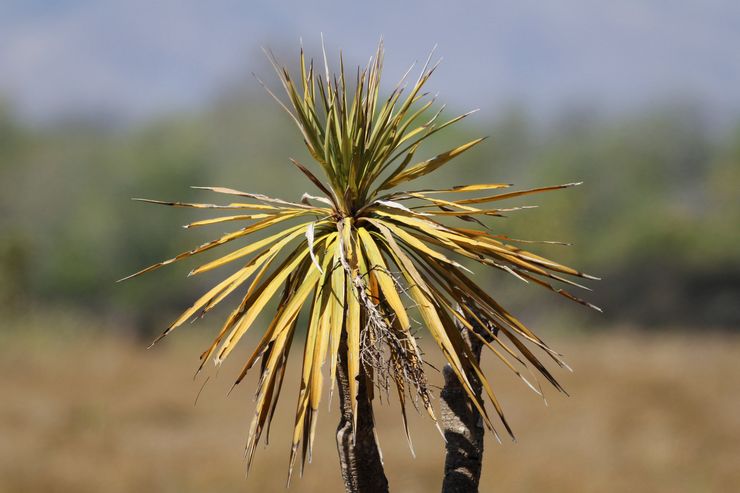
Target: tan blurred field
{"type": "Point", "coordinates": [652, 413]}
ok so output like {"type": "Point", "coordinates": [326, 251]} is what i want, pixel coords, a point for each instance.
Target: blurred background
{"type": "Point", "coordinates": [104, 101]}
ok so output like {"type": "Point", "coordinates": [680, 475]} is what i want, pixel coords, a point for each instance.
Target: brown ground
{"type": "Point", "coordinates": [657, 413]}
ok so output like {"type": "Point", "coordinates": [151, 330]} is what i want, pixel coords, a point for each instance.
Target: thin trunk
{"type": "Point", "coordinates": [359, 457]}
{"type": "Point", "coordinates": [463, 428]}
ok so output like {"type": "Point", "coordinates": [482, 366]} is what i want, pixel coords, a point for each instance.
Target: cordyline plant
{"type": "Point", "coordinates": [365, 257]}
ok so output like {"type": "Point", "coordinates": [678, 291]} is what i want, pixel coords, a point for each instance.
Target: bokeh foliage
{"type": "Point", "coordinates": [657, 218]}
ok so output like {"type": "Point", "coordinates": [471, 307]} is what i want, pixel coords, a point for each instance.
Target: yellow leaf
{"type": "Point", "coordinates": [259, 303]}
{"type": "Point", "coordinates": [381, 274]}
{"type": "Point", "coordinates": [428, 166]}
{"type": "Point", "coordinates": [287, 234]}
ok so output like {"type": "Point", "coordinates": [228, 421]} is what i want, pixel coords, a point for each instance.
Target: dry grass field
{"type": "Point", "coordinates": [647, 413]}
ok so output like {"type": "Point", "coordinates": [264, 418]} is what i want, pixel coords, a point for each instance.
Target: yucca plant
{"type": "Point", "coordinates": [365, 258]}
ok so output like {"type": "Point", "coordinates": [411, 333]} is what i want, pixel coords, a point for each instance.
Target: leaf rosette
{"type": "Point", "coordinates": [365, 258]}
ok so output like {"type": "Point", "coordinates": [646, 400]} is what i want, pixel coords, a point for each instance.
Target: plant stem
{"type": "Point", "coordinates": [463, 427]}
{"type": "Point", "coordinates": [359, 457]}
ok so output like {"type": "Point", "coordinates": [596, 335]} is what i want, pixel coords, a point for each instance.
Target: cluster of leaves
{"type": "Point", "coordinates": [364, 258]}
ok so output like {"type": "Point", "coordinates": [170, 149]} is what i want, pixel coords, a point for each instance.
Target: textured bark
{"type": "Point", "coordinates": [463, 428]}
{"type": "Point", "coordinates": [359, 457]}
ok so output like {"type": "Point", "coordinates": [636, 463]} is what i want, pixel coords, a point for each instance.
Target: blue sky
{"type": "Point", "coordinates": [138, 58]}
